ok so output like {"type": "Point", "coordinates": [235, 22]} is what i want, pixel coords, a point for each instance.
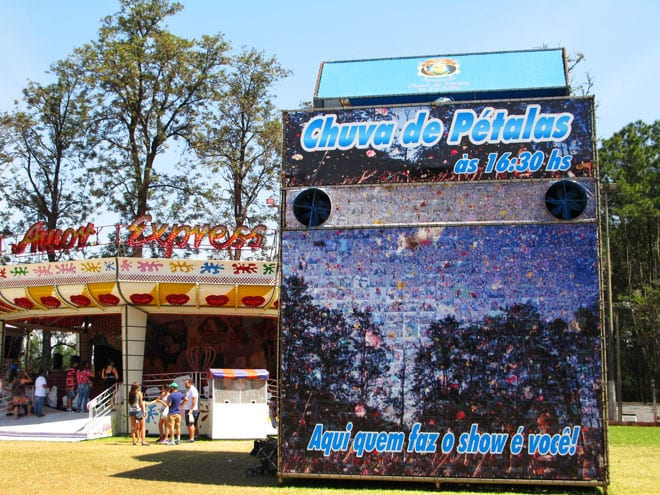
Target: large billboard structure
{"type": "Point", "coordinates": [440, 305]}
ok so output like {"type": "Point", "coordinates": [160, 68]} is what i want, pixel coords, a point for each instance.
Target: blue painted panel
{"type": "Point", "coordinates": [477, 75]}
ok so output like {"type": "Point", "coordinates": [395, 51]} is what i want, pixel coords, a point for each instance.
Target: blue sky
{"type": "Point", "coordinates": [619, 39]}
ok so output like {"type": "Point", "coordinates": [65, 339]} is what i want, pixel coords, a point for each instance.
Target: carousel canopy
{"type": "Point", "coordinates": [155, 285]}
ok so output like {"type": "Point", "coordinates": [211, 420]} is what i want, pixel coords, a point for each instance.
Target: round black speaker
{"type": "Point", "coordinates": [566, 200]}
{"type": "Point", "coordinates": [312, 207]}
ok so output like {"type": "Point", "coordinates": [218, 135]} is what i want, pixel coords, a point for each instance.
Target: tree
{"type": "Point", "coordinates": [58, 342]}
{"type": "Point", "coordinates": [631, 158]}
{"type": "Point", "coordinates": [432, 371]}
{"type": "Point", "coordinates": [573, 60]}
{"type": "Point", "coordinates": [646, 328]}
{"type": "Point", "coordinates": [367, 354]}
{"type": "Point", "coordinates": [322, 340]}
{"type": "Point", "coordinates": [582, 83]}
{"type": "Point", "coordinates": [340, 361]}
{"type": "Point", "coordinates": [241, 139]}
{"type": "Point", "coordinates": [143, 94]}
{"type": "Point", "coordinates": [150, 87]}
{"type": "Point", "coordinates": [46, 143]}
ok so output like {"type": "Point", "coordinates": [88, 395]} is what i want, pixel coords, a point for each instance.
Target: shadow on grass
{"type": "Point", "coordinates": [195, 465]}
{"type": "Point", "coordinates": [190, 463]}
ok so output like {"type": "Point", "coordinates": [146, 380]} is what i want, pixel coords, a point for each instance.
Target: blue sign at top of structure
{"type": "Point", "coordinates": [473, 76]}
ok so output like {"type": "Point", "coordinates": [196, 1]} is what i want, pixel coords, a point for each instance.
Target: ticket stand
{"type": "Point", "coordinates": [239, 403]}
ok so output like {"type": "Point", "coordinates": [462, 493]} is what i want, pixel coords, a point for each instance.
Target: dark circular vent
{"type": "Point", "coordinates": [566, 200]}
{"type": "Point", "coordinates": [312, 207]}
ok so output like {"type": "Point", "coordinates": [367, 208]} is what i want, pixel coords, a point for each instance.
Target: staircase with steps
{"type": "Point", "coordinates": [59, 425]}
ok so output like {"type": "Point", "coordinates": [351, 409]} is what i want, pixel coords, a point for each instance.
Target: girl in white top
{"type": "Point", "coordinates": [163, 422]}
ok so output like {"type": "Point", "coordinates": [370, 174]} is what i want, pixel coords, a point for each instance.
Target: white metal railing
{"type": "Point", "coordinates": [272, 388]}
{"type": "Point", "coordinates": [151, 383]}
{"type": "Point", "coordinates": [103, 404]}
{"type": "Point", "coordinates": [5, 400]}
{"type": "Point", "coordinates": [5, 397]}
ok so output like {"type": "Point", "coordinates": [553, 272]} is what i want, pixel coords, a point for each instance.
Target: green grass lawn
{"type": "Point", "coordinates": [634, 460]}
{"type": "Point", "coordinates": [114, 465]}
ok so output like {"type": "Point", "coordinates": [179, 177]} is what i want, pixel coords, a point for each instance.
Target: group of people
{"type": "Point", "coordinates": [174, 407]}
{"type": "Point", "coordinates": [78, 381]}
{"type": "Point", "coordinates": [15, 386]}
{"type": "Point", "coordinates": [173, 404]}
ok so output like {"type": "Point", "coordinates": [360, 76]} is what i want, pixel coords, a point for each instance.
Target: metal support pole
{"type": "Point", "coordinates": [606, 188]}
{"type": "Point", "coordinates": [612, 394]}
{"type": "Point", "coordinates": [619, 394]}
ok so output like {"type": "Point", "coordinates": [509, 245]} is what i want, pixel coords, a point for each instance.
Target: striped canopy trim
{"type": "Point", "coordinates": [238, 373]}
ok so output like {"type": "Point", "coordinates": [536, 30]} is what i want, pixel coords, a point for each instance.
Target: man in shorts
{"type": "Point", "coordinates": [174, 418]}
{"type": "Point", "coordinates": [191, 405]}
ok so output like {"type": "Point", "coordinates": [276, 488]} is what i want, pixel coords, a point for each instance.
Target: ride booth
{"type": "Point", "coordinates": [440, 294]}
{"type": "Point", "coordinates": [239, 404]}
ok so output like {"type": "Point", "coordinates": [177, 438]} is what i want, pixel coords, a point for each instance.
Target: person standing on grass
{"type": "Point", "coordinates": [71, 384]}
{"type": "Point", "coordinates": [174, 403]}
{"type": "Point", "coordinates": [191, 408]}
{"type": "Point", "coordinates": [163, 421]}
{"type": "Point", "coordinates": [40, 393]}
{"type": "Point", "coordinates": [136, 412]}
